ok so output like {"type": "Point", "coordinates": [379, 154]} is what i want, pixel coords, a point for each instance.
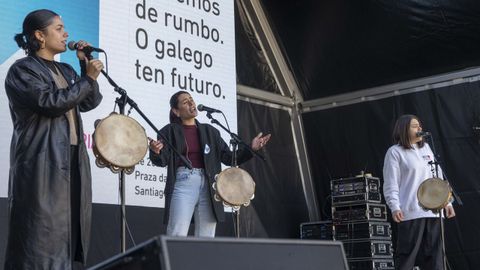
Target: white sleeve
{"type": "Point", "coordinates": [391, 178]}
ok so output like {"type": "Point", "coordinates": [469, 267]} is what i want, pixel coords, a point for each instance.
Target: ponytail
{"type": "Point", "coordinates": [20, 39]}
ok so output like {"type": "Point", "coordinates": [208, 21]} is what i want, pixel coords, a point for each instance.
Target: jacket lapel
{"type": "Point", "coordinates": [202, 133]}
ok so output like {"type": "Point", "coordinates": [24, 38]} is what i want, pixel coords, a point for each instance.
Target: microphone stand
{"type": "Point", "coordinates": [121, 182]}
{"type": "Point", "coordinates": [437, 162]}
{"type": "Point", "coordinates": [235, 140]}
{"type": "Point", "coordinates": [122, 101]}
{"type": "Point", "coordinates": [434, 165]}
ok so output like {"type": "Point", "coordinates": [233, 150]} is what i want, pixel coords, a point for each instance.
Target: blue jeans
{"type": "Point", "coordinates": [191, 196]}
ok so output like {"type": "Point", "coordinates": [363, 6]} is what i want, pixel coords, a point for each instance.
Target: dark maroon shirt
{"type": "Point", "coordinates": [193, 151]}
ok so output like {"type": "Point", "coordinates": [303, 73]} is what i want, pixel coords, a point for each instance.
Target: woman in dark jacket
{"type": "Point", "coordinates": [189, 192]}
{"type": "Point", "coordinates": [49, 180]}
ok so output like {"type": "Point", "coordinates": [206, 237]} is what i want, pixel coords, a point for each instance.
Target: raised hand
{"type": "Point", "coordinates": [260, 141]}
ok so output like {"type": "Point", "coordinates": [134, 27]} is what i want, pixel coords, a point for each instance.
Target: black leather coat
{"type": "Point", "coordinates": [39, 188]}
{"type": "Point", "coordinates": [215, 151]}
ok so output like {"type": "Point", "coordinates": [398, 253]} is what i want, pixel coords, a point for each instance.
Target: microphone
{"type": "Point", "coordinates": [202, 108]}
{"type": "Point", "coordinates": [423, 134]}
{"type": "Point", "coordinates": [72, 45]}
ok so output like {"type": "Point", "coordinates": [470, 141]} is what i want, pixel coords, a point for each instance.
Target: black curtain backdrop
{"type": "Point", "coordinates": [279, 205]}
{"type": "Point", "coordinates": [346, 140]}
{"type": "Point", "coordinates": [340, 46]}
{"type": "Point", "coordinates": [252, 67]}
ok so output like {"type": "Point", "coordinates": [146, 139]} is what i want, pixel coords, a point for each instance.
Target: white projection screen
{"type": "Point", "coordinates": [155, 48]}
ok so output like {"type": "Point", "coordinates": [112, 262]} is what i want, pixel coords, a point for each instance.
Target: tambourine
{"type": "Point", "coordinates": [234, 187]}
{"type": "Point", "coordinates": [434, 194]}
{"type": "Point", "coordinates": [119, 142]}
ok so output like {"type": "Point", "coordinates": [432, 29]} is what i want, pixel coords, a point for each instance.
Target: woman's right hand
{"type": "Point", "coordinates": [398, 216]}
{"type": "Point", "coordinates": [94, 67]}
{"type": "Point", "coordinates": [155, 146]}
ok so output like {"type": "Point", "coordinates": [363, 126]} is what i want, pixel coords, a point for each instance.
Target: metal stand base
{"type": "Point", "coordinates": [442, 236]}
{"type": "Point", "coordinates": [121, 178]}
{"type": "Point", "coordinates": [237, 221]}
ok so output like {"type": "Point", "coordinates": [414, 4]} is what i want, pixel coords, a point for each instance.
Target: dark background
{"type": "Point", "coordinates": [340, 46]}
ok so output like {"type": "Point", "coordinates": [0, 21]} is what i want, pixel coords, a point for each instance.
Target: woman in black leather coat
{"type": "Point", "coordinates": [49, 181]}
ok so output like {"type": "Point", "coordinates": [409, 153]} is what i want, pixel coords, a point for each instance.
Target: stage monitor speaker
{"type": "Point", "coordinates": [188, 253]}
{"type": "Point", "coordinates": [251, 254]}
{"type": "Point", "coordinates": [145, 256]}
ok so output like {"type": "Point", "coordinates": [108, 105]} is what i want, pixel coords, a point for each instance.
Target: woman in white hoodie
{"type": "Point", "coordinates": [406, 166]}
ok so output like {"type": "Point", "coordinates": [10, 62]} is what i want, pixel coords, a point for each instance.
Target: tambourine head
{"type": "Point", "coordinates": [434, 194]}
{"type": "Point", "coordinates": [120, 141]}
{"type": "Point", "coordinates": [234, 186]}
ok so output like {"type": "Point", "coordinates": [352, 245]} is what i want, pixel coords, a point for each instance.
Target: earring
{"type": "Point", "coordinates": [42, 46]}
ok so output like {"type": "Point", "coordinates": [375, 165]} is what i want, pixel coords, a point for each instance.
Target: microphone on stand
{"type": "Point", "coordinates": [72, 45]}
{"type": "Point", "coordinates": [202, 108]}
{"type": "Point", "coordinates": [423, 134]}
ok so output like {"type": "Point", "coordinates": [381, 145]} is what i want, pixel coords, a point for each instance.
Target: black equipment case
{"type": "Point", "coordinates": [317, 230]}
{"type": "Point", "coordinates": [355, 185]}
{"type": "Point", "coordinates": [368, 249]}
{"type": "Point", "coordinates": [371, 264]}
{"type": "Point", "coordinates": [359, 212]}
{"type": "Point", "coordinates": [363, 230]}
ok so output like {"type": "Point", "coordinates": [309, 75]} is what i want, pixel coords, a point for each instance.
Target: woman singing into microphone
{"type": "Point", "coordinates": [406, 166]}
{"type": "Point", "coordinates": [189, 192]}
{"type": "Point", "coordinates": [49, 183]}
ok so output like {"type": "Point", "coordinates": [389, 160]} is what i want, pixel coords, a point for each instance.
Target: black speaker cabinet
{"type": "Point", "coordinates": [252, 254]}
{"type": "Point", "coordinates": [188, 253]}
{"type": "Point", "coordinates": [146, 255]}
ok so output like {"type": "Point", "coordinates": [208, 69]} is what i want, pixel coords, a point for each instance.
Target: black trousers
{"type": "Point", "coordinates": [75, 189]}
{"type": "Point", "coordinates": [419, 243]}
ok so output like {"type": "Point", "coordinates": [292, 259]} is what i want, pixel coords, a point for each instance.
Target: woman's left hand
{"type": "Point", "coordinates": [449, 211]}
{"type": "Point", "coordinates": [260, 141]}
{"type": "Point", "coordinates": [80, 45]}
